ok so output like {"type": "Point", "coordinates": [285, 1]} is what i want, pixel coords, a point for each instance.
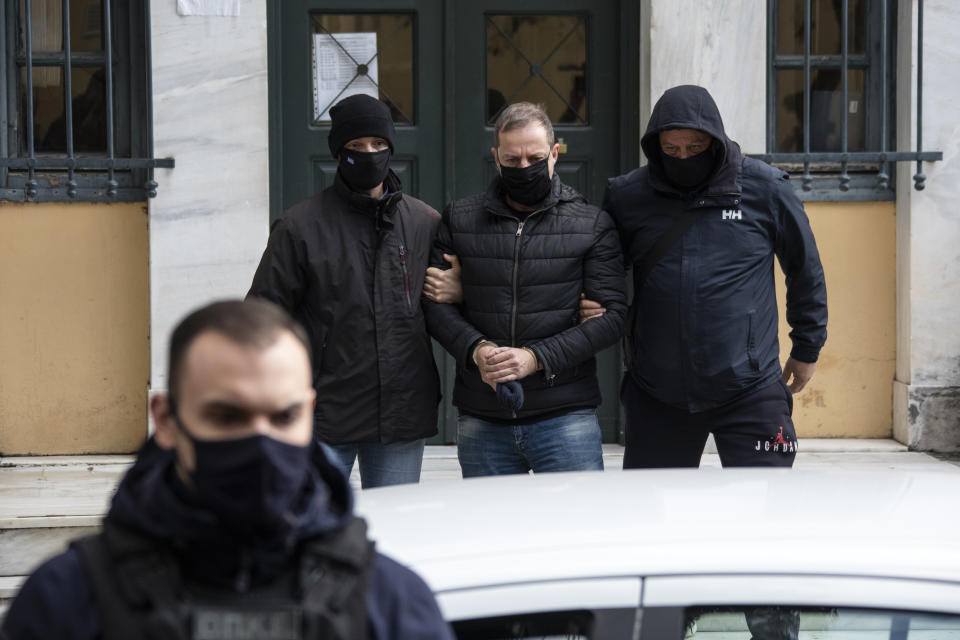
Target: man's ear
{"type": "Point", "coordinates": [496, 158]}
{"type": "Point", "coordinates": [165, 434]}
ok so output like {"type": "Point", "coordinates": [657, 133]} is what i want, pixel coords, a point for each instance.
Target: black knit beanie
{"type": "Point", "coordinates": [359, 116]}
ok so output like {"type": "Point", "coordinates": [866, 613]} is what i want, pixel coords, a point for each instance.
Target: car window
{"type": "Point", "coordinates": [816, 623]}
{"type": "Point", "coordinates": [573, 625]}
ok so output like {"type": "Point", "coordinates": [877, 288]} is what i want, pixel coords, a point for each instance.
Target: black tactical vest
{"type": "Point", "coordinates": [140, 593]}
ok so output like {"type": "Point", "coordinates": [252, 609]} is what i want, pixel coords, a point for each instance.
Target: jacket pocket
{"type": "Point", "coordinates": [752, 340]}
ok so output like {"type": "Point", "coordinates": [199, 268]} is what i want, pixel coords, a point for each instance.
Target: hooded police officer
{"type": "Point", "coordinates": [349, 264]}
{"type": "Point", "coordinates": [231, 522]}
{"type": "Point", "coordinates": [701, 224]}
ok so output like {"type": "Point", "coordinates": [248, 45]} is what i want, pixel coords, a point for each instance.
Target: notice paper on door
{"type": "Point", "coordinates": [208, 7]}
{"type": "Point", "coordinates": [338, 62]}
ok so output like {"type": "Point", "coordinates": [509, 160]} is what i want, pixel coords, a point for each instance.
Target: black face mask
{"type": "Point", "coordinates": [527, 185]}
{"type": "Point", "coordinates": [362, 170]}
{"type": "Point", "coordinates": [689, 172]}
{"type": "Point", "coordinates": [251, 484]}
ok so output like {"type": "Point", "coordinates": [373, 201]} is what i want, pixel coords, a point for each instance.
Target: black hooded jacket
{"type": "Point", "coordinates": [58, 600]}
{"type": "Point", "coordinates": [705, 321]}
{"type": "Point", "coordinates": [522, 277]}
{"type": "Point", "coordinates": [350, 269]}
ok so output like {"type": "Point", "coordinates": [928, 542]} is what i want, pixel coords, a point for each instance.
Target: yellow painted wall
{"type": "Point", "coordinates": [851, 394]}
{"type": "Point", "coordinates": [74, 327]}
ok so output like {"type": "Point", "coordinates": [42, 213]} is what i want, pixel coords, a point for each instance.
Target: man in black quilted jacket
{"type": "Point", "coordinates": [527, 249]}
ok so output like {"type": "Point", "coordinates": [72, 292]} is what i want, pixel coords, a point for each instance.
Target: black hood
{"type": "Point", "coordinates": [691, 107]}
{"type": "Point", "coordinates": [152, 501]}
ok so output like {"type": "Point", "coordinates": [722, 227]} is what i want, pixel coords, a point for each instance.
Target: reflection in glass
{"type": "Point", "coordinates": [825, 23]}
{"type": "Point", "coordinates": [46, 22]}
{"type": "Point", "coordinates": [47, 105]}
{"type": "Point", "coordinates": [540, 59]}
{"type": "Point", "coordinates": [826, 111]}
{"type": "Point", "coordinates": [49, 112]}
{"type": "Point", "coordinates": [386, 73]}
{"type": "Point", "coordinates": [819, 623]}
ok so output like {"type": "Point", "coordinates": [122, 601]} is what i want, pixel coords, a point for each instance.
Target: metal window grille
{"type": "Point", "coordinates": [881, 157]}
{"type": "Point", "coordinates": [29, 174]}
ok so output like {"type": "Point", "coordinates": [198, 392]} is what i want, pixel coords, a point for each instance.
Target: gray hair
{"type": "Point", "coordinates": [519, 115]}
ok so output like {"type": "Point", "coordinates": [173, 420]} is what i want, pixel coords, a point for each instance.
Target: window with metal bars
{"type": "Point", "coordinates": [831, 97]}
{"type": "Point", "coordinates": [75, 116]}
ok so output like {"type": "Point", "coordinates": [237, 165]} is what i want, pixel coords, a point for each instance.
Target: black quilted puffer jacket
{"type": "Point", "coordinates": [522, 277]}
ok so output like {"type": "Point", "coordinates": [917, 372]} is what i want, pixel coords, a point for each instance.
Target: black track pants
{"type": "Point", "coordinates": [753, 431]}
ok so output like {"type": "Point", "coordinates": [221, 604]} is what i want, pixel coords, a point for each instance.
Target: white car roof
{"type": "Point", "coordinates": [521, 529]}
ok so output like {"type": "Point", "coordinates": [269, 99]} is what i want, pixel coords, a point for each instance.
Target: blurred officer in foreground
{"type": "Point", "coordinates": [231, 522]}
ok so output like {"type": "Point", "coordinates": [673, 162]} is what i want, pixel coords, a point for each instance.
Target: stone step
{"type": "Point", "coordinates": [47, 501]}
{"type": "Point", "coordinates": [9, 586]}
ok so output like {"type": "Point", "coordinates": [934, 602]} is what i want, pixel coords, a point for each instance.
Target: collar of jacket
{"type": "Point", "coordinates": [722, 189]}
{"type": "Point", "coordinates": [381, 208]}
{"type": "Point", "coordinates": [495, 200]}
{"type": "Point", "coordinates": [152, 501]}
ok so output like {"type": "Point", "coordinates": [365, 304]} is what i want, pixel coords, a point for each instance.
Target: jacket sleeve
{"type": "Point", "coordinates": [445, 322]}
{"type": "Point", "coordinates": [280, 277]}
{"type": "Point", "coordinates": [603, 282]}
{"type": "Point", "coordinates": [611, 204]}
{"type": "Point", "coordinates": [401, 606]}
{"type": "Point", "coordinates": [796, 250]}
{"type": "Point", "coordinates": [55, 602]}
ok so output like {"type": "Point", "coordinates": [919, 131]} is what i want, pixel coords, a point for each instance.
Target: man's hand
{"type": "Point", "coordinates": [443, 285]}
{"type": "Point", "coordinates": [503, 364]}
{"type": "Point", "coordinates": [801, 373]}
{"type": "Point", "coordinates": [589, 308]}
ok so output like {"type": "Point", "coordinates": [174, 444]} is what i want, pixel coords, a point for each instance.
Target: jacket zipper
{"type": "Point", "coordinates": [516, 274]}
{"type": "Point", "coordinates": [406, 275]}
{"type": "Point", "coordinates": [516, 284]}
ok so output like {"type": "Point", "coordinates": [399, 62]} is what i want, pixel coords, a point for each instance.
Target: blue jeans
{"type": "Point", "coordinates": [570, 442]}
{"type": "Point", "coordinates": [381, 465]}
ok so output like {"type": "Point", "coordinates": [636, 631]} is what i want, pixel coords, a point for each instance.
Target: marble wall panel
{"type": "Point", "coordinates": [934, 293]}
{"type": "Point", "coordinates": [927, 389]}
{"type": "Point", "coordinates": [209, 221]}
{"type": "Point", "coordinates": [721, 46]}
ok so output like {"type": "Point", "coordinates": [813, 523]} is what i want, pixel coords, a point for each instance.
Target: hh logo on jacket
{"type": "Point", "coordinates": [732, 214]}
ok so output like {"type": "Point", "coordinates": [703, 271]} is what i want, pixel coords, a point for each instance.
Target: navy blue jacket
{"type": "Point", "coordinates": [57, 600]}
{"type": "Point", "coordinates": [705, 321]}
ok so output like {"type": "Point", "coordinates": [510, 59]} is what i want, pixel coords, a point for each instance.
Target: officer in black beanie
{"type": "Point", "coordinates": [349, 264]}
{"type": "Point", "coordinates": [363, 166]}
